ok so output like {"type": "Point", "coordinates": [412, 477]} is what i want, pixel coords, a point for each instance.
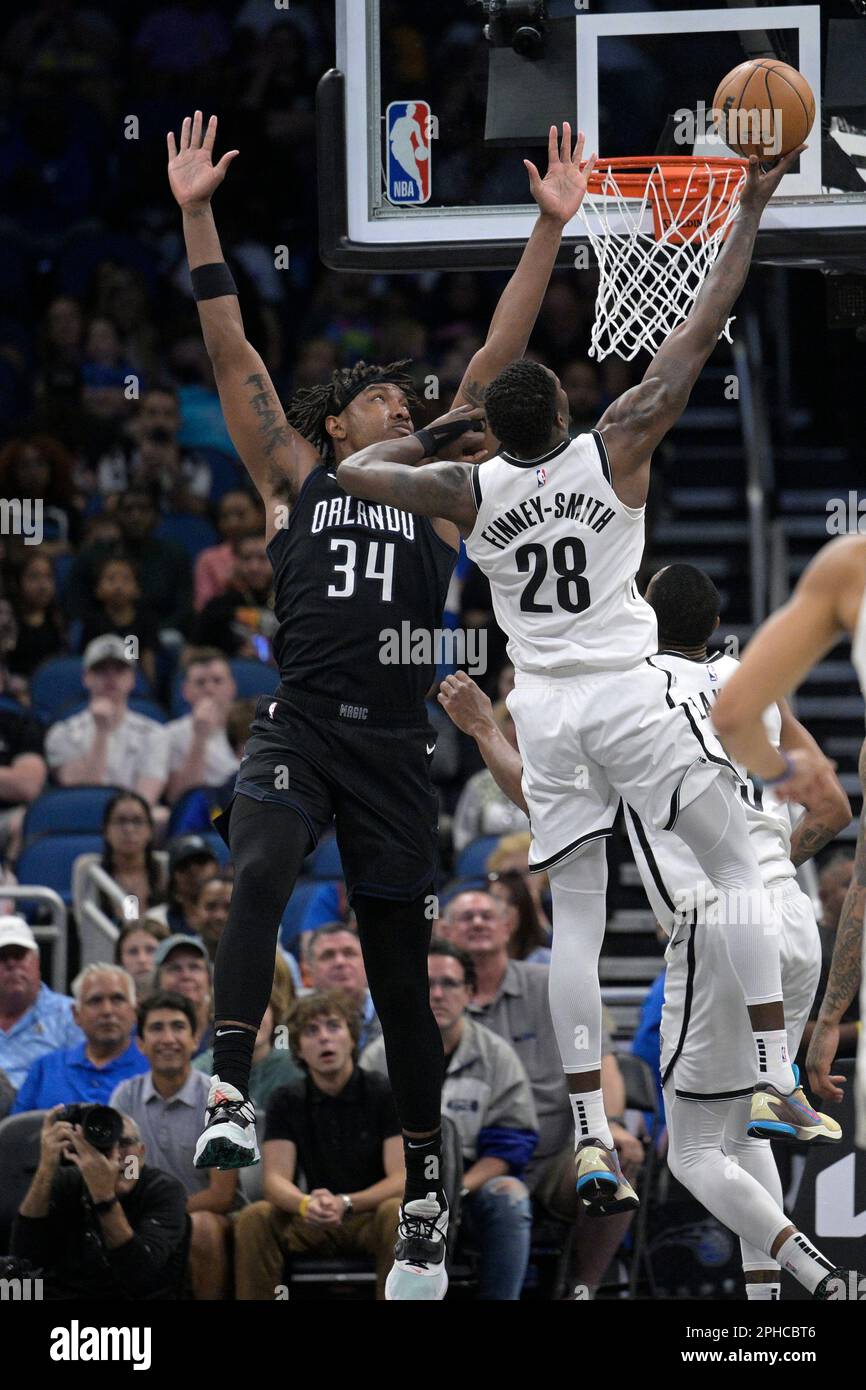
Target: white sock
{"type": "Point", "coordinates": [806, 1263]}
{"type": "Point", "coordinates": [774, 1064]}
{"type": "Point", "coordinates": [590, 1121]}
{"type": "Point", "coordinates": [762, 1293]}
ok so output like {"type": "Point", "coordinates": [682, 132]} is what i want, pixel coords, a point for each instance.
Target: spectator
{"type": "Point", "coordinates": [646, 1042]}
{"type": "Point", "coordinates": [163, 568]}
{"type": "Point", "coordinates": [333, 960]}
{"type": "Point", "coordinates": [486, 1093]}
{"type": "Point", "coordinates": [105, 1226]}
{"type": "Point", "coordinates": [211, 909]}
{"type": "Point", "coordinates": [136, 952]}
{"type": "Point", "coordinates": [41, 628]}
{"type": "Point", "coordinates": [105, 1012]}
{"type": "Point", "coordinates": [22, 775]}
{"type": "Point", "coordinates": [166, 1104]}
{"type": "Point", "coordinates": [129, 858]}
{"type": "Point", "coordinates": [105, 373]}
{"type": "Point", "coordinates": [273, 1063]}
{"type": "Point", "coordinates": [511, 855]}
{"type": "Point", "coordinates": [34, 1020]}
{"type": "Point", "coordinates": [338, 1126]}
{"type": "Point", "coordinates": [182, 967]}
{"type": "Point", "coordinates": [199, 751]}
{"type": "Point", "coordinates": [511, 999]}
{"type": "Point", "coordinates": [7, 1095]}
{"type": "Point", "coordinates": [190, 862]}
{"type": "Point", "coordinates": [119, 610]}
{"type": "Point", "coordinates": [580, 382]}
{"type": "Point", "coordinates": [483, 808]}
{"type": "Point", "coordinates": [237, 515]}
{"type": "Point", "coordinates": [38, 467]}
{"type": "Point", "coordinates": [528, 940]}
{"type": "Point", "coordinates": [151, 457]}
{"type": "Point", "coordinates": [241, 620]}
{"type": "Point", "coordinates": [834, 880]}
{"type": "Point", "coordinates": [108, 743]}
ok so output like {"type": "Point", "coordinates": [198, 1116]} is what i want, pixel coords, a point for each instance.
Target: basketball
{"type": "Point", "coordinates": [765, 108]}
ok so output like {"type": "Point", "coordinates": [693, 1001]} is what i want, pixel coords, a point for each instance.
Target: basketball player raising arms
{"type": "Point", "coordinates": [829, 601]}
{"type": "Point", "coordinates": [557, 525]}
{"type": "Point", "coordinates": [346, 737]}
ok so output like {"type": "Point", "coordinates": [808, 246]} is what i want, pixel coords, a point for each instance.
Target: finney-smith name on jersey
{"type": "Point", "coordinates": [573, 506]}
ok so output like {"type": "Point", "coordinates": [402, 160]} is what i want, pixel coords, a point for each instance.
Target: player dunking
{"type": "Point", "coordinates": [557, 525]}
{"type": "Point", "coordinates": [346, 738]}
{"type": "Point", "coordinates": [829, 601]}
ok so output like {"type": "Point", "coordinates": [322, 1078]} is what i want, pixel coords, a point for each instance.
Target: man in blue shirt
{"type": "Point", "coordinates": [105, 1011]}
{"type": "Point", "coordinates": [34, 1020]}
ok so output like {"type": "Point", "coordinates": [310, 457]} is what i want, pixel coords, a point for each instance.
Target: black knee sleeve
{"type": "Point", "coordinates": [268, 844]}
{"type": "Point", "coordinates": [394, 939]}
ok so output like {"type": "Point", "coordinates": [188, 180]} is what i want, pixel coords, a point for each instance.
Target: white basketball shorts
{"type": "Point", "coordinates": [707, 1047]}
{"type": "Point", "coordinates": [588, 740]}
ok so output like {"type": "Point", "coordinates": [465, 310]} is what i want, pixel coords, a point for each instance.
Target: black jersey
{"type": "Point", "coordinates": [354, 582]}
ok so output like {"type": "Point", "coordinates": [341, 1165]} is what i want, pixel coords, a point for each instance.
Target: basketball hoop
{"type": "Point", "coordinates": [650, 275]}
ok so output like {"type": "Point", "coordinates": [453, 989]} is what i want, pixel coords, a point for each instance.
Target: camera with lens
{"type": "Point", "coordinates": [100, 1125]}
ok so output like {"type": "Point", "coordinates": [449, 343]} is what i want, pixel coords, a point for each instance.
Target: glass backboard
{"type": "Point", "coordinates": [424, 123]}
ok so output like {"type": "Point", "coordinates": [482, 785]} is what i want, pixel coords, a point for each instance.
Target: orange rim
{"type": "Point", "coordinates": [683, 177]}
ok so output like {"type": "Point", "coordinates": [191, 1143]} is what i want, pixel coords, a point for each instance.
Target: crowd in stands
{"type": "Point", "coordinates": [136, 620]}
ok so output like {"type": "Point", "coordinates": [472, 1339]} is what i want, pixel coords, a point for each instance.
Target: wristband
{"type": "Point", "coordinates": [782, 776]}
{"type": "Point", "coordinates": [102, 1207]}
{"type": "Point", "coordinates": [302, 1209]}
{"type": "Point", "coordinates": [436, 437]}
{"type": "Point", "coordinates": [347, 1202]}
{"type": "Point", "coordinates": [212, 281]}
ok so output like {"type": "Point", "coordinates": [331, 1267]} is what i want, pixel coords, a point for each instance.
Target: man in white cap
{"type": "Point", "coordinates": [33, 1018]}
{"type": "Point", "coordinates": [108, 743]}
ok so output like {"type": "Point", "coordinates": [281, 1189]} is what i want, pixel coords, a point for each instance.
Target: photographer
{"type": "Point", "coordinates": [96, 1221]}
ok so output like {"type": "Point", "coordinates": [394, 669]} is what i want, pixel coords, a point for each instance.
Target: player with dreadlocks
{"type": "Point", "coordinates": [346, 737]}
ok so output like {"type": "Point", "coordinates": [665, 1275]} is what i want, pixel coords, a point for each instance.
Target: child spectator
{"type": "Point", "coordinates": [41, 629]}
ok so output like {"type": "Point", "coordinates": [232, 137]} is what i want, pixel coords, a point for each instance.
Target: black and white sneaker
{"type": "Point", "coordinates": [229, 1136]}
{"type": "Point", "coordinates": [419, 1269]}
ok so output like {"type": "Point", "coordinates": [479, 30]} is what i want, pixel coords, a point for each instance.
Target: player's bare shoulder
{"type": "Point", "coordinates": [838, 574]}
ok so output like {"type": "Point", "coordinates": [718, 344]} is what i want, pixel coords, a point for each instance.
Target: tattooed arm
{"type": "Point", "coordinates": [827, 818]}
{"type": "Point", "coordinates": [844, 978]}
{"type": "Point", "coordinates": [276, 457]}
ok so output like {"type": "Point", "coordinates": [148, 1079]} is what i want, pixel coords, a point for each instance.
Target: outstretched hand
{"type": "Point", "coordinates": [560, 193]}
{"type": "Point", "coordinates": [761, 184]}
{"type": "Point", "coordinates": [192, 174]}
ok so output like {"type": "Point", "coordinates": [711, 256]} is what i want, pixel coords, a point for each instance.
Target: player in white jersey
{"type": "Point", "coordinates": [557, 525]}
{"type": "Point", "coordinates": [707, 1069]}
{"type": "Point", "coordinates": [828, 602]}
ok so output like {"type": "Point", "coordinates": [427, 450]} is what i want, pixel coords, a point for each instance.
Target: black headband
{"type": "Point", "coordinates": [341, 396]}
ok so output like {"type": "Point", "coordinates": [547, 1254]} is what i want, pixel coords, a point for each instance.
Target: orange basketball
{"type": "Point", "coordinates": [764, 107]}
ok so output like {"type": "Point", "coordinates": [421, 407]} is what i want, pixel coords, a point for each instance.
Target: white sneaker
{"type": "Point", "coordinates": [229, 1136]}
{"type": "Point", "coordinates": [419, 1272]}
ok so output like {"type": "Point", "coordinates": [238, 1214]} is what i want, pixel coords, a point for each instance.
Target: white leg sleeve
{"type": "Point", "coordinates": [714, 828]}
{"type": "Point", "coordinates": [756, 1157]}
{"type": "Point", "coordinates": [578, 889]}
{"type": "Point", "coordinates": [727, 1189]}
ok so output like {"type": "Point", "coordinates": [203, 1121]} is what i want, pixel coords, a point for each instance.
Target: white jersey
{"type": "Point", "coordinates": [561, 552]}
{"type": "Point", "coordinates": [674, 882]}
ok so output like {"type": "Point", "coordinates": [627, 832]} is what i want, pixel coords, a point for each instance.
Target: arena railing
{"type": "Point", "coordinates": [54, 932]}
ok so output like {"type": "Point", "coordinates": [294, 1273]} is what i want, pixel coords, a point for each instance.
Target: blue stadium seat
{"type": "Point", "coordinates": [57, 682]}
{"type": "Point", "coordinates": [290, 926]}
{"type": "Point", "coordinates": [11, 706]}
{"type": "Point", "coordinates": [254, 677]}
{"type": "Point", "coordinates": [62, 565]}
{"type": "Point", "coordinates": [68, 811]}
{"type": "Point", "coordinates": [217, 844]}
{"type": "Point", "coordinates": [324, 862]}
{"type": "Point", "coordinates": [47, 861]}
{"type": "Point", "coordinates": [471, 862]}
{"type": "Point", "coordinates": [192, 533]}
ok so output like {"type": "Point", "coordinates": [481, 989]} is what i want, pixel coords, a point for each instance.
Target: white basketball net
{"type": "Point", "coordinates": [646, 285]}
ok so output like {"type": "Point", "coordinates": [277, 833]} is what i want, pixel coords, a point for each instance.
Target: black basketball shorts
{"type": "Point", "coordinates": [371, 779]}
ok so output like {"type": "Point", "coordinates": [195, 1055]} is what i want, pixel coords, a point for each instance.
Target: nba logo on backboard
{"type": "Point", "coordinates": [408, 127]}
{"type": "Point", "coordinates": [541, 475]}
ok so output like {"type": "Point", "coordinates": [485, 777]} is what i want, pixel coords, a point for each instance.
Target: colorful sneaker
{"type": "Point", "coordinates": [600, 1181]}
{"type": "Point", "coordinates": [229, 1136]}
{"type": "Point", "coordinates": [789, 1117]}
{"type": "Point", "coordinates": [419, 1272]}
